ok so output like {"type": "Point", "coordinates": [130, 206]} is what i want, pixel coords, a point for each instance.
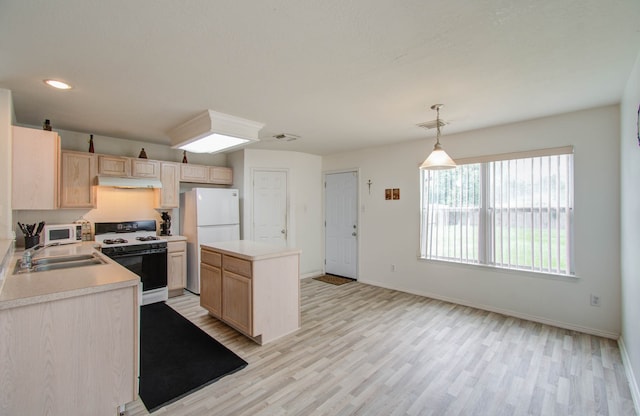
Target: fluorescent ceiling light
{"type": "Point", "coordinates": [61, 85]}
{"type": "Point", "coordinates": [212, 132]}
{"type": "Point", "coordinates": [212, 143]}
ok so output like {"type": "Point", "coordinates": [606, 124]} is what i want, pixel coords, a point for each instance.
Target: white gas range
{"type": "Point", "coordinates": [134, 245]}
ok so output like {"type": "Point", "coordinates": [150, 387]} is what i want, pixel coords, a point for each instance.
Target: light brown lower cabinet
{"type": "Point", "coordinates": [258, 295]}
{"type": "Point", "coordinates": [176, 267]}
{"type": "Point", "coordinates": [71, 356]}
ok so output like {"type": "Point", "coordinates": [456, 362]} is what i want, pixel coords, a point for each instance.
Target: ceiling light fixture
{"type": "Point", "coordinates": [61, 85]}
{"type": "Point", "coordinates": [438, 159]}
{"type": "Point", "coordinates": [212, 132]}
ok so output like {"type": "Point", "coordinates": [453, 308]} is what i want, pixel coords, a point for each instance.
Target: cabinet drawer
{"type": "Point", "coordinates": [211, 258]}
{"type": "Point", "coordinates": [237, 266]}
{"type": "Point", "coordinates": [177, 246]}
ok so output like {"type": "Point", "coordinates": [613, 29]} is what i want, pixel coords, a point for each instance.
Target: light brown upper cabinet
{"type": "Point", "coordinates": [220, 175]}
{"type": "Point", "coordinates": [169, 195]}
{"type": "Point", "coordinates": [77, 175]}
{"type": "Point", "coordinates": [113, 165]}
{"type": "Point", "coordinates": [194, 173]}
{"type": "Point", "coordinates": [144, 168]}
{"type": "Point", "coordinates": [34, 164]}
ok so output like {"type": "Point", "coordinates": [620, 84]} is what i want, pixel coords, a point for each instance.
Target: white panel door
{"type": "Point", "coordinates": [270, 206]}
{"type": "Point", "coordinates": [341, 224]}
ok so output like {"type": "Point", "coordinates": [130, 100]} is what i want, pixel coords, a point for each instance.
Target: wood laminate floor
{"type": "Point", "coordinates": [365, 350]}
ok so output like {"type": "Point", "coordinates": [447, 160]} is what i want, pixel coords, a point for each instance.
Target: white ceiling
{"type": "Point", "coordinates": [341, 74]}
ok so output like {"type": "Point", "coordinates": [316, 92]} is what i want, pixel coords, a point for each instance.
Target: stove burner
{"type": "Point", "coordinates": [147, 238]}
{"type": "Point", "coordinates": [115, 241]}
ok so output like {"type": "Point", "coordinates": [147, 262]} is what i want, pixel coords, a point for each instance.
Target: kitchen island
{"type": "Point", "coordinates": [69, 341]}
{"type": "Point", "coordinates": [253, 287]}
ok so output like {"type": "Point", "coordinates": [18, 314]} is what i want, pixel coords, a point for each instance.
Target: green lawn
{"type": "Point", "coordinates": [518, 244]}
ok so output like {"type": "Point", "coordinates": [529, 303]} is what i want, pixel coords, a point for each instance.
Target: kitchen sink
{"type": "Point", "coordinates": [63, 259]}
{"type": "Point", "coordinates": [61, 262]}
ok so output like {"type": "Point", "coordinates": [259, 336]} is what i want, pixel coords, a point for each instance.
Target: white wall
{"type": "Point", "coordinates": [6, 116]}
{"type": "Point", "coordinates": [630, 229]}
{"type": "Point", "coordinates": [305, 201]}
{"type": "Point", "coordinates": [389, 230]}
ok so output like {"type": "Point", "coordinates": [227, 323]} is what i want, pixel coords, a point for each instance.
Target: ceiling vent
{"type": "Point", "coordinates": [286, 137]}
{"type": "Point", "coordinates": [432, 124]}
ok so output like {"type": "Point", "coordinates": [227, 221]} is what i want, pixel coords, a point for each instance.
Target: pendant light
{"type": "Point", "coordinates": [438, 159]}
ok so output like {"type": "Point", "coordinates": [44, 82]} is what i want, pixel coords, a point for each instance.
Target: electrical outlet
{"type": "Point", "coordinates": [595, 300]}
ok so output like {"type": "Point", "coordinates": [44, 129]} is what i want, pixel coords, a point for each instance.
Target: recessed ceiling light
{"type": "Point", "coordinates": [57, 84]}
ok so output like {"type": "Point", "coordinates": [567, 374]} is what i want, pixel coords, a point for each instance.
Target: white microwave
{"type": "Point", "coordinates": [62, 233]}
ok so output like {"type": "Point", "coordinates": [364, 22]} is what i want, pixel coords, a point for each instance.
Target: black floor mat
{"type": "Point", "coordinates": [177, 358]}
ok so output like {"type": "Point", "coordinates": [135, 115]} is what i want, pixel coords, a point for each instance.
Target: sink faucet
{"type": "Point", "coordinates": [30, 253]}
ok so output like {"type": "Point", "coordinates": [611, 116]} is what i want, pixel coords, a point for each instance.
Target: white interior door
{"type": "Point", "coordinates": [341, 224]}
{"type": "Point", "coordinates": [270, 206]}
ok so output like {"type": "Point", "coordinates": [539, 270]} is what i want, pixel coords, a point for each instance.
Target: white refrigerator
{"type": "Point", "coordinates": [207, 215]}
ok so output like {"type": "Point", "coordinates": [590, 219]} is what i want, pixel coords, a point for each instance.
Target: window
{"type": "Point", "coordinates": [511, 211]}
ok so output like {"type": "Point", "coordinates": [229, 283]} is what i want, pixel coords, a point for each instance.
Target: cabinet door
{"type": "Point", "coordinates": [236, 301]}
{"type": "Point", "coordinates": [176, 265]}
{"type": "Point", "coordinates": [113, 166]}
{"type": "Point", "coordinates": [220, 175]}
{"type": "Point", "coordinates": [194, 173]}
{"type": "Point", "coordinates": [169, 195]}
{"type": "Point", "coordinates": [35, 159]}
{"type": "Point", "coordinates": [211, 289]}
{"type": "Point", "coordinates": [76, 180]}
{"type": "Point", "coordinates": [143, 168]}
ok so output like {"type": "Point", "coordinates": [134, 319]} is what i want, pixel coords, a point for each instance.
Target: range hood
{"type": "Point", "coordinates": [118, 182]}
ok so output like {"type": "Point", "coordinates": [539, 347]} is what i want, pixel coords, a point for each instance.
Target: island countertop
{"type": "Point", "coordinates": [30, 288]}
{"type": "Point", "coordinates": [250, 250]}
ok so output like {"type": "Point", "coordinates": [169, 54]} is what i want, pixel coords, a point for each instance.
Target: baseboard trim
{"type": "Point", "coordinates": [311, 274]}
{"type": "Point", "coordinates": [507, 312]}
{"type": "Point", "coordinates": [633, 383]}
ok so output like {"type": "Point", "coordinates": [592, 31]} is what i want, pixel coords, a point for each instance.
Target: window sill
{"type": "Point", "coordinates": [524, 273]}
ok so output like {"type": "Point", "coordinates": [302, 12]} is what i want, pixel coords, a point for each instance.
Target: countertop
{"type": "Point", "coordinates": [251, 250]}
{"type": "Point", "coordinates": [171, 238]}
{"type": "Point", "coordinates": [30, 288]}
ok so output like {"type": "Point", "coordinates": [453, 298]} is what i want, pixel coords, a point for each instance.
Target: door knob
{"type": "Point", "coordinates": [282, 231]}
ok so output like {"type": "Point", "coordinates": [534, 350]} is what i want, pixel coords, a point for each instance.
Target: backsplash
{"type": "Point", "coordinates": [114, 204]}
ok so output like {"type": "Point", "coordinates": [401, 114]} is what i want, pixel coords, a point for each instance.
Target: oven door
{"type": "Point", "coordinates": [151, 267]}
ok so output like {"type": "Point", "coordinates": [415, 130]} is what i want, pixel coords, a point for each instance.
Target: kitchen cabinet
{"type": "Point", "coordinates": [77, 176]}
{"type": "Point", "coordinates": [194, 173]}
{"type": "Point", "coordinates": [211, 289]}
{"type": "Point", "coordinates": [144, 168]}
{"type": "Point", "coordinates": [73, 355]}
{"type": "Point", "coordinates": [169, 194]}
{"type": "Point", "coordinates": [34, 166]}
{"type": "Point", "coordinates": [176, 267]}
{"type": "Point", "coordinates": [113, 166]}
{"type": "Point", "coordinates": [253, 287]}
{"type": "Point", "coordinates": [220, 175]}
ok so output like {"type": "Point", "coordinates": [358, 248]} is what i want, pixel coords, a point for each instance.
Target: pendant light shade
{"type": "Point", "coordinates": [438, 159]}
